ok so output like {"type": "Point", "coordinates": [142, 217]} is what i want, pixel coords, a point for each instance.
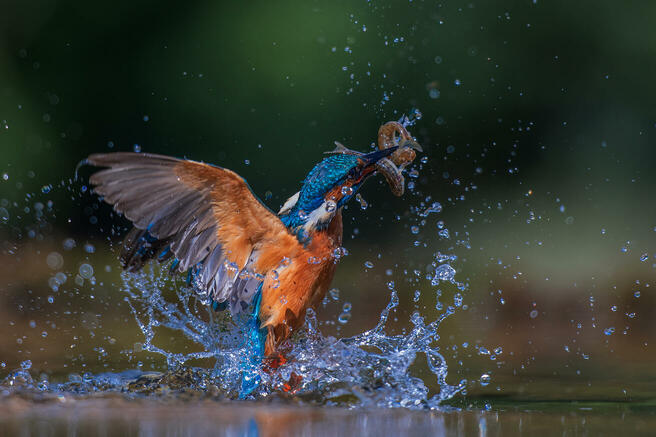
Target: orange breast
{"type": "Point", "coordinates": [288, 291]}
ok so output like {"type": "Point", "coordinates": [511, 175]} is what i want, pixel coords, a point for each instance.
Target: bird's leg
{"type": "Point", "coordinates": [276, 358]}
{"type": "Point", "coordinates": [293, 384]}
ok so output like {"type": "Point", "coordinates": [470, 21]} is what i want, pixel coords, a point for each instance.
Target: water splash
{"type": "Point", "coordinates": [368, 369]}
{"type": "Point", "coordinates": [188, 313]}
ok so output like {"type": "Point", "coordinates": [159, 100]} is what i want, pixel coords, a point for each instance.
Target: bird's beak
{"type": "Point", "coordinates": [373, 157]}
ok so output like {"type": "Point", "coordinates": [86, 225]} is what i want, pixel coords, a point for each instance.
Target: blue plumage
{"type": "Point", "coordinates": [322, 178]}
{"type": "Point", "coordinates": [255, 338]}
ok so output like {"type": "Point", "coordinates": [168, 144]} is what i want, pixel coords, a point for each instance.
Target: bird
{"type": "Point", "coordinates": [207, 222]}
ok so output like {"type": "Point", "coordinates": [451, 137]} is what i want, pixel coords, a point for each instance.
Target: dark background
{"type": "Point", "coordinates": [538, 129]}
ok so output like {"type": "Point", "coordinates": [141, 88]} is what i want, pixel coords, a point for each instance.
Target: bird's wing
{"type": "Point", "coordinates": [204, 216]}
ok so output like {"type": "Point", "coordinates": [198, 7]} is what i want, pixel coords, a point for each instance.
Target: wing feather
{"type": "Point", "coordinates": [206, 216]}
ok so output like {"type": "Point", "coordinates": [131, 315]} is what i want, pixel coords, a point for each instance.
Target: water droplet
{"type": "Point", "coordinates": [340, 252]}
{"type": "Point", "coordinates": [369, 264]}
{"type": "Point", "coordinates": [444, 272]}
{"type": "Point", "coordinates": [609, 331]}
{"type": "Point", "coordinates": [485, 379]}
{"type": "Point", "coordinates": [344, 318]}
{"type": "Point", "coordinates": [68, 244]}
{"type": "Point", "coordinates": [435, 207]}
{"type": "Point", "coordinates": [26, 365]}
{"type": "Point", "coordinates": [644, 257]}
{"type": "Point", "coordinates": [4, 215]}
{"type": "Point", "coordinates": [334, 294]}
{"type": "Point", "coordinates": [533, 314]}
{"type": "Point", "coordinates": [55, 261]}
{"type": "Point", "coordinates": [330, 206]}
{"type": "Point", "coordinates": [636, 294]}
{"type": "Point", "coordinates": [136, 148]}
{"type": "Point", "coordinates": [363, 203]}
{"type": "Point", "coordinates": [457, 300]}
{"type": "Point", "coordinates": [86, 271]}
{"type": "Point", "coordinates": [414, 229]}
{"type": "Point", "coordinates": [347, 191]}
{"type": "Point", "coordinates": [51, 299]}
{"type": "Point", "coordinates": [54, 283]}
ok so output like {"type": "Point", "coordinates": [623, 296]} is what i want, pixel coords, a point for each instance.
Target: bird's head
{"type": "Point", "coordinates": [328, 186]}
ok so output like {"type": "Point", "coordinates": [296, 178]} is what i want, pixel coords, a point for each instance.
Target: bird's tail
{"type": "Point", "coordinates": [254, 345]}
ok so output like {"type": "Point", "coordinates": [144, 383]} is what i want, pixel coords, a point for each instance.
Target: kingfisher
{"type": "Point", "coordinates": [207, 222]}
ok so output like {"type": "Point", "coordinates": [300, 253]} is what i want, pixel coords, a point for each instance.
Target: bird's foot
{"type": "Point", "coordinates": [293, 384]}
{"type": "Point", "coordinates": [272, 363]}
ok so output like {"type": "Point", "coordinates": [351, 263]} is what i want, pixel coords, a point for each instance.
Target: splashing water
{"type": "Point", "coordinates": [371, 369]}
{"type": "Point", "coordinates": [368, 369]}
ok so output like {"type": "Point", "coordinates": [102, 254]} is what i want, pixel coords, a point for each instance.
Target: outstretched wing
{"type": "Point", "coordinates": [205, 217]}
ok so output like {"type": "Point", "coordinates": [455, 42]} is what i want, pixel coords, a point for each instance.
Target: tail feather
{"type": "Point", "coordinates": [255, 341]}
